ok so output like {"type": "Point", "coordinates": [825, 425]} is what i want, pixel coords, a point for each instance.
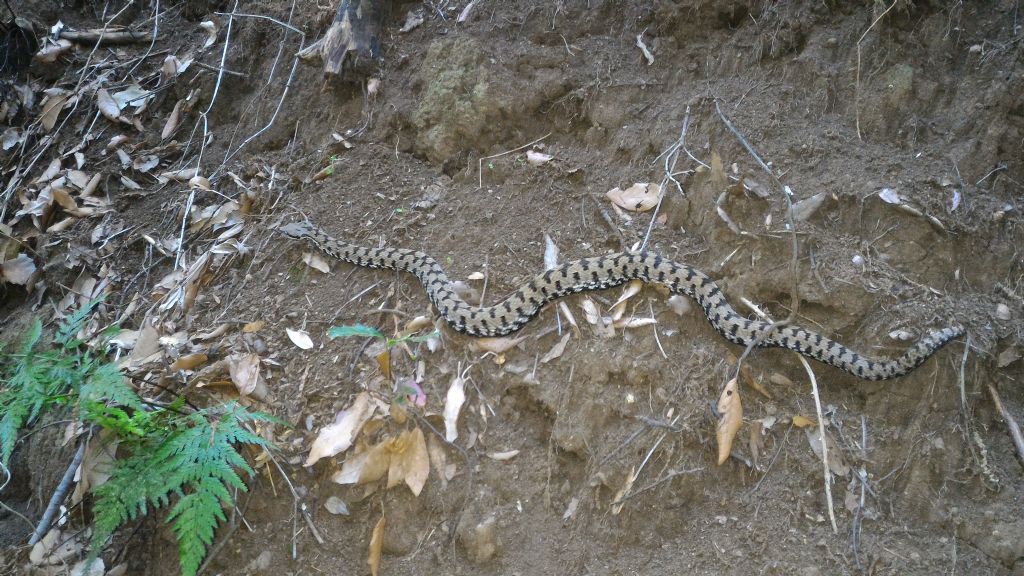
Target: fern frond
{"type": "Point", "coordinates": [34, 332]}
{"type": "Point", "coordinates": [107, 384]}
{"type": "Point", "coordinates": [70, 326]}
{"type": "Point", "coordinates": [195, 518]}
{"type": "Point", "coordinates": [193, 462]}
{"type": "Point", "coordinates": [15, 412]}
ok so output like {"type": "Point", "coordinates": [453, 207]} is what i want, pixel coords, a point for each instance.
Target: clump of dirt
{"type": "Point", "coordinates": [895, 133]}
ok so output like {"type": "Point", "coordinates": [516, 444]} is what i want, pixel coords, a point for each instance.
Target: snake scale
{"type": "Point", "coordinates": [600, 272]}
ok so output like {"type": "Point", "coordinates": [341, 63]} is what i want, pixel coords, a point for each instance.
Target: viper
{"type": "Point", "coordinates": [599, 272]}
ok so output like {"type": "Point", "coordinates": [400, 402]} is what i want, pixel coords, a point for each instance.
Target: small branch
{"type": "Point", "coordinates": [786, 193]}
{"type": "Point", "coordinates": [856, 89]}
{"type": "Point", "coordinates": [1011, 423]}
{"type": "Point", "coordinates": [963, 370]}
{"type": "Point", "coordinates": [58, 495]}
{"type": "Point", "coordinates": [824, 444]}
{"type": "Point", "coordinates": [480, 162]}
{"type": "Point", "coordinates": [102, 37]}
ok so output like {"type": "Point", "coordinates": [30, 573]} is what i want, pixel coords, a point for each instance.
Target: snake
{"type": "Point", "coordinates": [601, 272]}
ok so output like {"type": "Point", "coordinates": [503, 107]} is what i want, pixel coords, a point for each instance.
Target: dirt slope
{"type": "Point", "coordinates": [904, 126]}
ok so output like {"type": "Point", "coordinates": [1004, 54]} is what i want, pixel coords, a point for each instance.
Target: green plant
{"type": "Point", "coordinates": [190, 458]}
{"type": "Point", "coordinates": [167, 457]}
{"type": "Point", "coordinates": [364, 330]}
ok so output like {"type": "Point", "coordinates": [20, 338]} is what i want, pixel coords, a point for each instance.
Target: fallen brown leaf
{"type": "Point", "coordinates": [376, 545]}
{"type": "Point", "coordinates": [245, 372]}
{"type": "Point", "coordinates": [410, 461]}
{"type": "Point", "coordinates": [338, 436]}
{"type": "Point", "coordinates": [730, 411]}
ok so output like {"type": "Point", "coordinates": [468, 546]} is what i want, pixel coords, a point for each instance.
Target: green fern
{"type": "Point", "coordinates": [194, 461]}
{"type": "Point", "coordinates": [32, 381]}
{"type": "Point", "coordinates": [187, 459]}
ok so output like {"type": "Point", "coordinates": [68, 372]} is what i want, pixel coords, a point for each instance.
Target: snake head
{"type": "Point", "coordinates": [298, 229]}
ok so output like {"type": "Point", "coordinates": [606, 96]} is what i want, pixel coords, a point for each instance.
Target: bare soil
{"type": "Point", "coordinates": [843, 99]}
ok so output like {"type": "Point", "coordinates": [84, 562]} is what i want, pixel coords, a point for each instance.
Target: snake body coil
{"type": "Point", "coordinates": [600, 272]}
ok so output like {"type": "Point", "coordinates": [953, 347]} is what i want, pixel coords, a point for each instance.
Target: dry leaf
{"type": "Point", "coordinates": [502, 456]}
{"type": "Point", "coordinates": [52, 106]}
{"type": "Point", "coordinates": [211, 33]}
{"type": "Point", "coordinates": [376, 545]}
{"type": "Point", "coordinates": [730, 411]}
{"type": "Point", "coordinates": [557, 350]}
{"type": "Point", "coordinates": [535, 158]}
{"type": "Point", "coordinates": [497, 345]}
{"type": "Point", "coordinates": [18, 270]}
{"type": "Point", "coordinates": [632, 289]}
{"type": "Point", "coordinates": [173, 119]}
{"type": "Point", "coordinates": [107, 105]}
{"type": "Point", "coordinates": [189, 361]}
{"type": "Point", "coordinates": [803, 421]}
{"type": "Point", "coordinates": [639, 197]}
{"type": "Point", "coordinates": [300, 338]}
{"type": "Point", "coordinates": [384, 363]}
{"type": "Point", "coordinates": [410, 461]}
{"type": "Point", "coordinates": [836, 463]}
{"type": "Point", "coordinates": [96, 466]}
{"type": "Point", "coordinates": [453, 404]}
{"type": "Point", "coordinates": [245, 372]}
{"type": "Point", "coordinates": [314, 260]}
{"type": "Point", "coordinates": [147, 345]}
{"type": "Point", "coordinates": [367, 466]}
{"type": "Point", "coordinates": [622, 492]}
{"type": "Point", "coordinates": [550, 253]}
{"type": "Point", "coordinates": [338, 437]}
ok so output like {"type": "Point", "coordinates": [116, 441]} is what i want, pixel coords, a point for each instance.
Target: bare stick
{"type": "Point", "coordinates": [671, 155]}
{"type": "Point", "coordinates": [58, 495]}
{"type": "Point", "coordinates": [104, 37]}
{"type": "Point", "coordinates": [284, 93]}
{"type": "Point", "coordinates": [786, 193]}
{"type": "Point", "coordinates": [963, 369]}
{"type": "Point", "coordinates": [856, 89]}
{"type": "Point", "coordinates": [1011, 423]}
{"type": "Point", "coordinates": [824, 443]}
{"type": "Point", "coordinates": [480, 162]}
{"type": "Point", "coordinates": [655, 484]}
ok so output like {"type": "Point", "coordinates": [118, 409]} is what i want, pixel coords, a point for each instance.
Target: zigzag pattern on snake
{"type": "Point", "coordinates": [600, 272]}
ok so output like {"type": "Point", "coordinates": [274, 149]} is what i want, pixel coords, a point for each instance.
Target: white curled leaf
{"type": "Point", "coordinates": [535, 158]}
{"type": "Point", "coordinates": [453, 404]}
{"type": "Point", "coordinates": [300, 338]}
{"type": "Point", "coordinates": [890, 196]}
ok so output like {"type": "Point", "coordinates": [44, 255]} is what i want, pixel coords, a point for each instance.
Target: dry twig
{"type": "Point", "coordinates": [1011, 423]}
{"type": "Point", "coordinates": [824, 444]}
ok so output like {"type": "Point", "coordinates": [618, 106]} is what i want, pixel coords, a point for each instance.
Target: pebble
{"type": "Point", "coordinates": [901, 335]}
{"type": "Point", "coordinates": [336, 505]}
{"type": "Point", "coordinates": [479, 539]}
{"type": "Point", "coordinates": [1003, 311]}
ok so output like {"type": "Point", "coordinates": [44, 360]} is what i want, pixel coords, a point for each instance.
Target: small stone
{"type": "Point", "coordinates": [1003, 312]}
{"type": "Point", "coordinates": [260, 563]}
{"type": "Point", "coordinates": [336, 505]}
{"type": "Point", "coordinates": [901, 335]}
{"type": "Point", "coordinates": [479, 539]}
{"type": "Point", "coordinates": [1007, 357]}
